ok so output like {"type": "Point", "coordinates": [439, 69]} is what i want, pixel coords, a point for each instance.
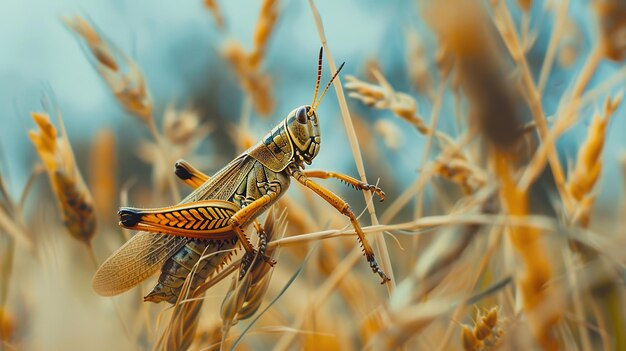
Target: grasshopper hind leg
{"type": "Point", "coordinates": [188, 174]}
{"type": "Point", "coordinates": [129, 217]}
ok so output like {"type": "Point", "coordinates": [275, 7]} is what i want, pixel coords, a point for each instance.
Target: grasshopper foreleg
{"type": "Point", "coordinates": [344, 208]}
{"type": "Point", "coordinates": [357, 184]}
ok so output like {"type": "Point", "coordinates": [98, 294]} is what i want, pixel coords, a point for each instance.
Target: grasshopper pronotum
{"type": "Point", "coordinates": [212, 219]}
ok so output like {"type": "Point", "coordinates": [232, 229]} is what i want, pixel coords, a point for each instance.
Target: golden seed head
{"type": "Point", "coordinates": [120, 73]}
{"type": "Point", "coordinates": [468, 339]}
{"type": "Point", "coordinates": [481, 331]}
{"type": "Point", "coordinates": [491, 319]}
{"type": "Point", "coordinates": [179, 126]}
{"type": "Point", "coordinates": [73, 197]}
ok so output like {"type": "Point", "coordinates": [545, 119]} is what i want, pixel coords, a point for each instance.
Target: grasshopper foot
{"type": "Point", "coordinates": [374, 189]}
{"type": "Point", "coordinates": [376, 269]}
{"type": "Point", "coordinates": [263, 248]}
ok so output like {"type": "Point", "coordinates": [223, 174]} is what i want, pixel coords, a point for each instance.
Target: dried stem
{"type": "Point", "coordinates": [356, 152]}
{"type": "Point", "coordinates": [553, 45]}
{"type": "Point", "coordinates": [509, 34]}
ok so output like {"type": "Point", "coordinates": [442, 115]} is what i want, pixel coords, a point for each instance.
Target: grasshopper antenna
{"type": "Point", "coordinates": [319, 76]}
{"type": "Point", "coordinates": [328, 85]}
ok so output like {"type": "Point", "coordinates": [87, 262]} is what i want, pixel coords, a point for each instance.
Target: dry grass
{"type": "Point", "coordinates": [474, 235]}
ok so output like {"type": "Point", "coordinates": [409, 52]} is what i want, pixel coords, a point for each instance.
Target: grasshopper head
{"type": "Point", "coordinates": [304, 132]}
{"type": "Point", "coordinates": [301, 123]}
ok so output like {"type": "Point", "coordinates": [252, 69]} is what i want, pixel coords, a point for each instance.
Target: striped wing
{"type": "Point", "coordinates": [142, 255]}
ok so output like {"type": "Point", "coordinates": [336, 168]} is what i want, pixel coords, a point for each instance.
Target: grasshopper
{"type": "Point", "coordinates": [211, 220]}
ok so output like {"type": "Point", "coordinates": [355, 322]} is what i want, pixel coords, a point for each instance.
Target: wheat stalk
{"type": "Point", "coordinates": [355, 148]}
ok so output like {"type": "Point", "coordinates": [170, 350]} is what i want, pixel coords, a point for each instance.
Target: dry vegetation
{"type": "Point", "coordinates": [479, 257]}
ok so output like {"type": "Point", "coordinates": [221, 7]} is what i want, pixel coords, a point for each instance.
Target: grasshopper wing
{"type": "Point", "coordinates": [135, 261]}
{"type": "Point", "coordinates": [145, 253]}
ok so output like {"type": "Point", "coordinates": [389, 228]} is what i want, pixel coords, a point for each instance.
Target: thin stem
{"type": "Point", "coordinates": [434, 119]}
{"type": "Point", "coordinates": [530, 221]}
{"type": "Point", "coordinates": [553, 45]}
{"type": "Point", "coordinates": [165, 154]}
{"type": "Point", "coordinates": [37, 170]}
{"type": "Point", "coordinates": [422, 178]}
{"type": "Point", "coordinates": [381, 246]}
{"type": "Point", "coordinates": [509, 34]}
{"type": "Point", "coordinates": [420, 181]}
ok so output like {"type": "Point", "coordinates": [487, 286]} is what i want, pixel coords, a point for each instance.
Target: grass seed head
{"type": "Point", "coordinates": [264, 27]}
{"type": "Point", "coordinates": [73, 197]}
{"type": "Point", "coordinates": [469, 340]}
{"type": "Point", "coordinates": [390, 132]}
{"type": "Point", "coordinates": [461, 172]}
{"type": "Point", "coordinates": [581, 181]}
{"type": "Point", "coordinates": [119, 72]}
{"type": "Point", "coordinates": [246, 293]}
{"type": "Point", "coordinates": [181, 330]}
{"type": "Point", "coordinates": [255, 83]}
{"type": "Point", "coordinates": [485, 335]}
{"type": "Point", "coordinates": [382, 96]}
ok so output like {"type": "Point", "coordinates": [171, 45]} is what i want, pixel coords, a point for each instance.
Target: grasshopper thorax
{"type": "Point", "coordinates": [304, 132]}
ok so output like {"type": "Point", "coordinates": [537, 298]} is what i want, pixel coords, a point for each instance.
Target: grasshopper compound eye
{"type": "Point", "coordinates": [301, 115]}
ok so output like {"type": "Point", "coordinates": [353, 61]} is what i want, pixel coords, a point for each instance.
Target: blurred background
{"type": "Point", "coordinates": [177, 47]}
{"type": "Point", "coordinates": [182, 51]}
